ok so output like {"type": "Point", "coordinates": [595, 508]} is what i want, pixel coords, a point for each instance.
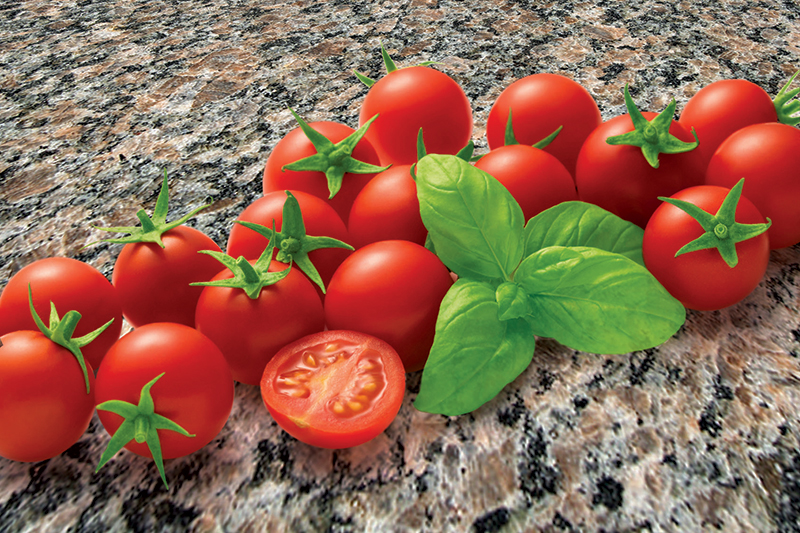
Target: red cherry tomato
{"type": "Point", "coordinates": [720, 108]}
{"type": "Point", "coordinates": [250, 331]}
{"type": "Point", "coordinates": [195, 392]}
{"type": "Point", "coordinates": [391, 290]}
{"type": "Point", "coordinates": [71, 285]}
{"type": "Point", "coordinates": [44, 406]}
{"type": "Point", "coordinates": [411, 98]}
{"type": "Point", "coordinates": [387, 208]}
{"type": "Point", "coordinates": [536, 179]}
{"type": "Point", "coordinates": [619, 179]}
{"type": "Point", "coordinates": [334, 389]}
{"type": "Point", "coordinates": [540, 103]}
{"type": "Point", "coordinates": [153, 282]}
{"type": "Point", "coordinates": [295, 146]}
{"type": "Point", "coordinates": [701, 279]}
{"type": "Point", "coordinates": [767, 156]}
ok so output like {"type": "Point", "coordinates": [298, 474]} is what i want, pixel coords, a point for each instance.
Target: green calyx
{"type": "Point", "coordinates": [334, 160]}
{"type": "Point", "coordinates": [511, 139]}
{"type": "Point", "coordinates": [60, 332]}
{"type": "Point", "coordinates": [652, 136]}
{"type": "Point", "coordinates": [390, 67]}
{"type": "Point", "coordinates": [251, 278]}
{"type": "Point", "coordinates": [465, 153]}
{"type": "Point", "coordinates": [786, 107]}
{"type": "Point", "coordinates": [721, 230]}
{"type": "Point", "coordinates": [292, 241]}
{"type": "Point", "coordinates": [152, 228]}
{"type": "Point", "coordinates": [141, 424]}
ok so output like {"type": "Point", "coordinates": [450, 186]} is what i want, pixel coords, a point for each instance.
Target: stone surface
{"type": "Point", "coordinates": [97, 98]}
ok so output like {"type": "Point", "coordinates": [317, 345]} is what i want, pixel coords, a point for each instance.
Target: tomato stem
{"type": "Point", "coordinates": [786, 105]}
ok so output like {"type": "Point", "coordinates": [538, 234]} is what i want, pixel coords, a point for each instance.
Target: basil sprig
{"type": "Point", "coordinates": [573, 273]}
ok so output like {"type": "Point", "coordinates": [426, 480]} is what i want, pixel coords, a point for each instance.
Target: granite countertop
{"type": "Point", "coordinates": [98, 97]}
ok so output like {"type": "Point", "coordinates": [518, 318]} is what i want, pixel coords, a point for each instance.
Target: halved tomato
{"type": "Point", "coordinates": [334, 389]}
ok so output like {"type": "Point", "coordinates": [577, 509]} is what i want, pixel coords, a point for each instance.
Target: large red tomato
{"type": "Point", "coordinates": [391, 290]}
{"type": "Point", "coordinates": [71, 285]}
{"type": "Point", "coordinates": [334, 389]}
{"type": "Point", "coordinates": [539, 104]}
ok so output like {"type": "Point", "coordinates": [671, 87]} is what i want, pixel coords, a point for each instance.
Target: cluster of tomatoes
{"type": "Point", "coordinates": [327, 294]}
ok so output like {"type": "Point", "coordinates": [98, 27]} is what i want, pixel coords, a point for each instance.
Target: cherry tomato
{"type": "Point", "coordinates": [540, 103]}
{"type": "Point", "coordinates": [319, 218]}
{"type": "Point", "coordinates": [195, 392]}
{"type": "Point", "coordinates": [71, 285]}
{"type": "Point", "coordinates": [334, 389]}
{"type": "Point", "coordinates": [153, 282]}
{"type": "Point", "coordinates": [767, 156]}
{"type": "Point", "coordinates": [536, 179]}
{"type": "Point", "coordinates": [391, 290]}
{"type": "Point", "coordinates": [701, 279]}
{"type": "Point", "coordinates": [387, 208]}
{"type": "Point", "coordinates": [411, 98]}
{"type": "Point", "coordinates": [44, 406]}
{"type": "Point", "coordinates": [250, 331]}
{"type": "Point", "coordinates": [619, 179]}
{"type": "Point", "coordinates": [295, 146]}
{"type": "Point", "coordinates": [720, 108]}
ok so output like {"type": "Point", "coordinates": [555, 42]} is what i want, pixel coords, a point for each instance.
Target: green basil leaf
{"type": "Point", "coordinates": [473, 221]}
{"type": "Point", "coordinates": [474, 353]}
{"type": "Point", "coordinates": [597, 301]}
{"type": "Point", "coordinates": [583, 224]}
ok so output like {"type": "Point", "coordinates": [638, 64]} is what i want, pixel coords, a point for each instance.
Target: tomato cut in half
{"type": "Point", "coordinates": [334, 389]}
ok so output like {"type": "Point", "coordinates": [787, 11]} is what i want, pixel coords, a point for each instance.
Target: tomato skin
{"type": "Point", "coordinates": [536, 179]}
{"type": "Point", "coordinates": [540, 103]}
{"type": "Point", "coordinates": [619, 179]}
{"type": "Point", "coordinates": [767, 156]}
{"type": "Point", "coordinates": [411, 98]}
{"type": "Point", "coordinates": [71, 285]}
{"type": "Point", "coordinates": [723, 107]}
{"type": "Point", "coordinates": [702, 280]}
{"type": "Point", "coordinates": [45, 407]}
{"type": "Point", "coordinates": [323, 427]}
{"type": "Point", "coordinates": [391, 290]}
{"type": "Point", "coordinates": [153, 282]}
{"type": "Point", "coordinates": [319, 218]}
{"type": "Point", "coordinates": [249, 332]}
{"type": "Point", "coordinates": [387, 208]}
{"type": "Point", "coordinates": [295, 146]}
{"type": "Point", "coordinates": [196, 390]}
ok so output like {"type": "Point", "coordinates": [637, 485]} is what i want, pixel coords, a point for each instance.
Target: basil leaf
{"type": "Point", "coordinates": [597, 301]}
{"type": "Point", "coordinates": [583, 224]}
{"type": "Point", "coordinates": [473, 221]}
{"type": "Point", "coordinates": [474, 353]}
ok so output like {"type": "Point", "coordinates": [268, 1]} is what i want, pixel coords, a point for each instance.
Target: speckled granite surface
{"type": "Point", "coordinates": [97, 97]}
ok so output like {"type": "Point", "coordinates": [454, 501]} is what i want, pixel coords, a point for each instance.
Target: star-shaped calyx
{"type": "Point", "coordinates": [390, 65]}
{"type": "Point", "coordinates": [292, 241]}
{"type": "Point", "coordinates": [141, 424]}
{"type": "Point", "coordinates": [787, 108]}
{"type": "Point", "coordinates": [721, 230]}
{"type": "Point", "coordinates": [510, 139]}
{"type": "Point", "coordinates": [652, 136]}
{"type": "Point", "coordinates": [334, 160]}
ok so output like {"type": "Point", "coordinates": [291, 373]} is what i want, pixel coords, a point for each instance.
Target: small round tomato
{"type": "Point", "coordinates": [195, 391]}
{"type": "Point", "coordinates": [153, 282]}
{"type": "Point", "coordinates": [539, 104]}
{"type": "Point", "coordinates": [250, 331]}
{"type": "Point", "coordinates": [387, 208]}
{"type": "Point", "coordinates": [619, 179]}
{"type": "Point", "coordinates": [537, 180]}
{"type": "Point", "coordinates": [44, 405]}
{"type": "Point", "coordinates": [296, 146]}
{"type": "Point", "coordinates": [411, 98]}
{"type": "Point", "coordinates": [701, 279]}
{"type": "Point", "coordinates": [767, 156]}
{"type": "Point", "coordinates": [391, 290]}
{"type": "Point", "coordinates": [71, 285]}
{"type": "Point", "coordinates": [334, 389]}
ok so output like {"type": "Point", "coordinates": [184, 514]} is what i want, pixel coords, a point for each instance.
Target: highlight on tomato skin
{"type": "Point", "coordinates": [334, 389]}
